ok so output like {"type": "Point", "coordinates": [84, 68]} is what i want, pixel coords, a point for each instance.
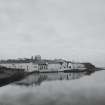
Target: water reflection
{"type": "Point", "coordinates": [37, 79]}
{"type": "Point", "coordinates": [89, 90]}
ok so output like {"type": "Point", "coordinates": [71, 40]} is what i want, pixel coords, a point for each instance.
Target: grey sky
{"type": "Point", "coordinates": [70, 29]}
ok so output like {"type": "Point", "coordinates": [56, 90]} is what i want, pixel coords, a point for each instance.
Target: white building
{"type": "Point", "coordinates": [29, 67]}
{"type": "Point", "coordinates": [37, 64]}
{"type": "Point", "coordinates": [59, 65]}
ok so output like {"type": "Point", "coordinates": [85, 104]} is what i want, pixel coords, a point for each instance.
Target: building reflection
{"type": "Point", "coordinates": [37, 79]}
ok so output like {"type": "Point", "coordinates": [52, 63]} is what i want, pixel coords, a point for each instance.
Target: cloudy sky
{"type": "Point", "coordinates": [69, 29]}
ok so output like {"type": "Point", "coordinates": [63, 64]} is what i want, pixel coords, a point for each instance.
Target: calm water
{"type": "Point", "coordinates": [37, 79]}
{"type": "Point", "coordinates": [51, 89]}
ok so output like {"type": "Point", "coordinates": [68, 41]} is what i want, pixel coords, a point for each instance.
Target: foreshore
{"type": "Point", "coordinates": [8, 75]}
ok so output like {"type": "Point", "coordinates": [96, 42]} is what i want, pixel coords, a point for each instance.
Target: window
{"type": "Point", "coordinates": [69, 66]}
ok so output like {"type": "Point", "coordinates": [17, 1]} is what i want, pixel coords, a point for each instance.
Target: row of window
{"type": "Point", "coordinates": [41, 67]}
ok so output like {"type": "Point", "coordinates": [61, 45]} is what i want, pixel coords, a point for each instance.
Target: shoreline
{"type": "Point", "coordinates": [11, 75]}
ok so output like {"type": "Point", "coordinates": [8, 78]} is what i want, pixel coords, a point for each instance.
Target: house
{"type": "Point", "coordinates": [59, 65]}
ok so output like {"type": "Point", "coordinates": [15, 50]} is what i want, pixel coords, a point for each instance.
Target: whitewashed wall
{"type": "Point", "coordinates": [54, 67]}
{"type": "Point", "coordinates": [70, 66]}
{"type": "Point", "coordinates": [64, 65]}
{"type": "Point", "coordinates": [29, 67]}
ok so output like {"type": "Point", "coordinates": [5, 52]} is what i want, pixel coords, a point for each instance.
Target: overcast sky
{"type": "Point", "coordinates": [69, 29]}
